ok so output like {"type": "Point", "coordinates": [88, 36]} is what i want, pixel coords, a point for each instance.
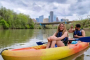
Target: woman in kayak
{"type": "Point", "coordinates": [60, 38]}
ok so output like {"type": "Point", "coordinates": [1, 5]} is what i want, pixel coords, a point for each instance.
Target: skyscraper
{"type": "Point", "coordinates": [49, 19]}
{"type": "Point", "coordinates": [41, 19]}
{"type": "Point", "coordinates": [57, 20]}
{"type": "Point", "coordinates": [37, 19]}
{"type": "Point", "coordinates": [51, 16]}
{"type": "Point", "coordinates": [45, 20]}
{"type": "Point", "coordinates": [54, 18]}
{"type": "Point", "coordinates": [64, 20]}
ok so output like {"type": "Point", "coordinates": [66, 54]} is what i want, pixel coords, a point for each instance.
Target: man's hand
{"type": "Point", "coordinates": [75, 35]}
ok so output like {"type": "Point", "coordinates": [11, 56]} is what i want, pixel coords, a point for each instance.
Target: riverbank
{"type": "Point", "coordinates": [46, 27]}
{"type": "Point", "coordinates": [85, 24]}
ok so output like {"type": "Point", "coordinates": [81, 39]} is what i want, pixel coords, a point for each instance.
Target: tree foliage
{"type": "Point", "coordinates": [10, 19]}
{"type": "Point", "coordinates": [85, 23]}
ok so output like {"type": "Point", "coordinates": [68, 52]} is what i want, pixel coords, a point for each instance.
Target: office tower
{"type": "Point", "coordinates": [45, 20]}
{"type": "Point", "coordinates": [49, 19]}
{"type": "Point", "coordinates": [64, 20]}
{"type": "Point", "coordinates": [51, 16]}
{"type": "Point", "coordinates": [54, 18]}
{"type": "Point", "coordinates": [37, 19]}
{"type": "Point", "coordinates": [57, 20]}
{"type": "Point", "coordinates": [41, 19]}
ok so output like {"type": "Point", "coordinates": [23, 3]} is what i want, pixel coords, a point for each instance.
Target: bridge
{"type": "Point", "coordinates": [54, 23]}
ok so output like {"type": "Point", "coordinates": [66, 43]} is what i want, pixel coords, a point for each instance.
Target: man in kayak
{"type": "Point", "coordinates": [60, 37]}
{"type": "Point", "coordinates": [77, 32]}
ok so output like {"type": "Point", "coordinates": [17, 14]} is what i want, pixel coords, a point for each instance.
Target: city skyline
{"type": "Point", "coordinates": [51, 18]}
{"type": "Point", "coordinates": [72, 9]}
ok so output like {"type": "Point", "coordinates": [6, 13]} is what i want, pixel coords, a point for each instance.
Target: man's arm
{"type": "Point", "coordinates": [71, 30]}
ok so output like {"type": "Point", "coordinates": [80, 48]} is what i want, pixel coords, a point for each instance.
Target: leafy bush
{"type": "Point", "coordinates": [4, 24]}
{"type": "Point", "coordinates": [14, 20]}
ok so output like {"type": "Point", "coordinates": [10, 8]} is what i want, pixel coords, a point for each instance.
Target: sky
{"type": "Point", "coordinates": [70, 9]}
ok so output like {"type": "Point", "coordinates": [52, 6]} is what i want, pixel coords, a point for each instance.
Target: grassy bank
{"type": "Point", "coordinates": [85, 24]}
{"type": "Point", "coordinates": [46, 27]}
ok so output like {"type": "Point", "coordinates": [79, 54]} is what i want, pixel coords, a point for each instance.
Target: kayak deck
{"type": "Point", "coordinates": [40, 53]}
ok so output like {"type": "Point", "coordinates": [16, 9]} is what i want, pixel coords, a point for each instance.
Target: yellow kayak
{"type": "Point", "coordinates": [40, 53]}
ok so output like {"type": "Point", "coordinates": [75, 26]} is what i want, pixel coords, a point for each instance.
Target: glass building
{"type": "Point", "coordinates": [54, 18]}
{"type": "Point", "coordinates": [51, 16]}
{"type": "Point", "coordinates": [49, 19]}
{"type": "Point", "coordinates": [41, 19]}
{"type": "Point", "coordinates": [37, 19]}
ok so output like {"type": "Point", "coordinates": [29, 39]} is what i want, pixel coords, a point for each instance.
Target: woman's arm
{"type": "Point", "coordinates": [54, 34]}
{"type": "Point", "coordinates": [63, 36]}
{"type": "Point", "coordinates": [60, 38]}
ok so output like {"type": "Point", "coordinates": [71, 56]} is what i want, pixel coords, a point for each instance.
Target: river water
{"type": "Point", "coordinates": [20, 38]}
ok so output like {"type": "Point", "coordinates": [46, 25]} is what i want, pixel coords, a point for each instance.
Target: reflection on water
{"type": "Point", "coordinates": [81, 57]}
{"type": "Point", "coordinates": [19, 38]}
{"type": "Point", "coordinates": [42, 34]}
{"type": "Point", "coordinates": [10, 37]}
{"type": "Point", "coordinates": [77, 56]}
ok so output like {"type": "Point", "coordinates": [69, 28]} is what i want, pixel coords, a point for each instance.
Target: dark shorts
{"type": "Point", "coordinates": [65, 42]}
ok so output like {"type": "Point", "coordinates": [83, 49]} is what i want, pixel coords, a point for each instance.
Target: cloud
{"type": "Point", "coordinates": [80, 8]}
{"type": "Point", "coordinates": [0, 4]}
{"type": "Point", "coordinates": [51, 1]}
{"type": "Point", "coordinates": [61, 8]}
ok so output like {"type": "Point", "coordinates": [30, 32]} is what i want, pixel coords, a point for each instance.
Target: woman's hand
{"type": "Point", "coordinates": [53, 38]}
{"type": "Point", "coordinates": [49, 39]}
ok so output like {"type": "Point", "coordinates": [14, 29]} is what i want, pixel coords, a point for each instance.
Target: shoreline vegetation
{"type": "Point", "coordinates": [85, 24]}
{"type": "Point", "coordinates": [12, 20]}
{"type": "Point", "coordinates": [46, 27]}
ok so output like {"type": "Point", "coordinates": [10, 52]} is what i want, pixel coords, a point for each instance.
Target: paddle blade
{"type": "Point", "coordinates": [85, 39]}
{"type": "Point", "coordinates": [40, 43]}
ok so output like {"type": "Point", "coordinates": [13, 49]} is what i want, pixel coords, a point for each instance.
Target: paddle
{"type": "Point", "coordinates": [83, 39]}
{"type": "Point", "coordinates": [41, 43]}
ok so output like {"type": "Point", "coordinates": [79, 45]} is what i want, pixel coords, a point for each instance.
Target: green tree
{"type": "Point", "coordinates": [4, 24]}
{"type": "Point", "coordinates": [15, 21]}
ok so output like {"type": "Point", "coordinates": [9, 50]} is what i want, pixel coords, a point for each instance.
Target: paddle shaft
{"type": "Point", "coordinates": [73, 40]}
{"type": "Point", "coordinates": [68, 40]}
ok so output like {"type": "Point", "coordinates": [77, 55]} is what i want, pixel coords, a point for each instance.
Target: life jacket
{"type": "Point", "coordinates": [59, 34]}
{"type": "Point", "coordinates": [77, 32]}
